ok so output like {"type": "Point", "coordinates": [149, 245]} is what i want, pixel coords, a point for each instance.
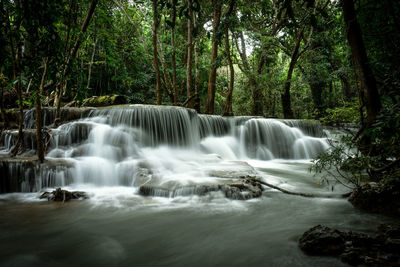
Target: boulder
{"type": "Point", "coordinates": [322, 240]}
{"type": "Point", "coordinates": [354, 248]}
{"type": "Point", "coordinates": [381, 197]}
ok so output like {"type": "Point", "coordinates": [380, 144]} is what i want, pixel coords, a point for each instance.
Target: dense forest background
{"type": "Point", "coordinates": [275, 58]}
{"type": "Point", "coordinates": [336, 61]}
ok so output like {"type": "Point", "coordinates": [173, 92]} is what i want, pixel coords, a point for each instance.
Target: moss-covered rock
{"type": "Point", "coordinates": [102, 101]}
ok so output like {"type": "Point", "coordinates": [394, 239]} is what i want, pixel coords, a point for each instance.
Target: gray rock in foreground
{"type": "Point", "coordinates": [354, 248]}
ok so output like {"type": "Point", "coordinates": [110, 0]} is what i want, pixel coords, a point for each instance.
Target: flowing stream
{"type": "Point", "coordinates": [184, 220]}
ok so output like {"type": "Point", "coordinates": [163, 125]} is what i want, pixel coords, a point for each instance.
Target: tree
{"type": "Point", "coordinates": [214, 53]}
{"type": "Point", "coordinates": [228, 102]}
{"type": "Point", "coordinates": [67, 64]}
{"type": "Point", "coordinates": [189, 87]}
{"type": "Point", "coordinates": [356, 43]}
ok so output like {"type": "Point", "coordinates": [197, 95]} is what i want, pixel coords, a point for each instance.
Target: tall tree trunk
{"type": "Point", "coordinates": [39, 122]}
{"type": "Point", "coordinates": [196, 99]}
{"type": "Point", "coordinates": [61, 86]}
{"type": "Point", "coordinates": [189, 86]}
{"type": "Point", "coordinates": [167, 78]}
{"type": "Point", "coordinates": [257, 95]}
{"type": "Point", "coordinates": [228, 102]}
{"type": "Point", "coordinates": [20, 141]}
{"type": "Point", "coordinates": [90, 68]}
{"type": "Point", "coordinates": [286, 101]}
{"type": "Point", "coordinates": [367, 79]}
{"type": "Point", "coordinates": [174, 82]}
{"type": "Point", "coordinates": [155, 60]}
{"type": "Point", "coordinates": [214, 53]}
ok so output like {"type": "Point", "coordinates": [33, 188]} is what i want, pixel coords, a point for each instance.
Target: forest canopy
{"type": "Point", "coordinates": [336, 61]}
{"type": "Point", "coordinates": [275, 58]}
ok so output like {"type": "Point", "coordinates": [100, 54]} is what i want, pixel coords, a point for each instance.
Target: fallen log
{"type": "Point", "coordinates": [254, 180]}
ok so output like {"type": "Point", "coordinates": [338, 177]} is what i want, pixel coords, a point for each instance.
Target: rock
{"type": "Point", "coordinates": [146, 190]}
{"type": "Point", "coordinates": [322, 240]}
{"type": "Point", "coordinates": [63, 195]}
{"type": "Point", "coordinates": [102, 101]}
{"type": "Point", "coordinates": [378, 197]}
{"type": "Point", "coordinates": [242, 191]}
{"type": "Point", "coordinates": [352, 247]}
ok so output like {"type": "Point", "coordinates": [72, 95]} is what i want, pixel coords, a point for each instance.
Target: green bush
{"type": "Point", "coordinates": [349, 113]}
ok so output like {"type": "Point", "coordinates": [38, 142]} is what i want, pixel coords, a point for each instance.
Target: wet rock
{"type": "Point", "coordinates": [17, 175]}
{"type": "Point", "coordinates": [378, 197]}
{"type": "Point", "coordinates": [29, 175]}
{"type": "Point", "coordinates": [352, 247]}
{"type": "Point", "coordinates": [63, 195]}
{"type": "Point", "coordinates": [146, 190]}
{"type": "Point", "coordinates": [242, 191]}
{"type": "Point", "coordinates": [322, 240]}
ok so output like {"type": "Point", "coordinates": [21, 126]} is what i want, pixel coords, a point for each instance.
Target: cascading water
{"type": "Point", "coordinates": [164, 185]}
{"type": "Point", "coordinates": [164, 146]}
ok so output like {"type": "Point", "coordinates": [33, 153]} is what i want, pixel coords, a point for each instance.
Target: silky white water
{"type": "Point", "coordinates": [111, 153]}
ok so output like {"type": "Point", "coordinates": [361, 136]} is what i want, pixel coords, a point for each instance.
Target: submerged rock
{"type": "Point", "coordinates": [63, 195]}
{"type": "Point", "coordinates": [354, 248]}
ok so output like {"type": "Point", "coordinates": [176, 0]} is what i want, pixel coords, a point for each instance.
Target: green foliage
{"type": "Point", "coordinates": [373, 155]}
{"type": "Point", "coordinates": [343, 161]}
{"type": "Point", "coordinates": [348, 113]}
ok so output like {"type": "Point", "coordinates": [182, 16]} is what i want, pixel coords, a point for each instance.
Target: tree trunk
{"type": "Point", "coordinates": [167, 78]}
{"type": "Point", "coordinates": [90, 68]}
{"type": "Point", "coordinates": [174, 82]}
{"type": "Point", "coordinates": [155, 60]}
{"type": "Point", "coordinates": [196, 100]}
{"type": "Point", "coordinates": [228, 102]}
{"type": "Point", "coordinates": [367, 79]}
{"type": "Point", "coordinates": [189, 86]}
{"type": "Point", "coordinates": [214, 53]}
{"type": "Point", "coordinates": [67, 65]}
{"type": "Point", "coordinates": [39, 122]}
{"type": "Point", "coordinates": [286, 101]}
{"type": "Point", "coordinates": [256, 94]}
{"type": "Point", "coordinates": [20, 141]}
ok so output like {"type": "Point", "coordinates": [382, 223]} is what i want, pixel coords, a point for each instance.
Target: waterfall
{"type": "Point", "coordinates": [174, 148]}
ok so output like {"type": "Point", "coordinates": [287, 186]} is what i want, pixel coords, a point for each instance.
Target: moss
{"type": "Point", "coordinates": [106, 100]}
